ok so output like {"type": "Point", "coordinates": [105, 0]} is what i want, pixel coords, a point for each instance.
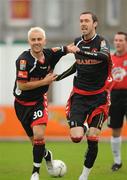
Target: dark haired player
{"type": "Point", "coordinates": [118, 108]}
{"type": "Point", "coordinates": [88, 104]}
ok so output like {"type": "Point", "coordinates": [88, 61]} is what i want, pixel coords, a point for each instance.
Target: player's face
{"type": "Point", "coordinates": [87, 25]}
{"type": "Point", "coordinates": [36, 41]}
{"type": "Point", "coordinates": [120, 43]}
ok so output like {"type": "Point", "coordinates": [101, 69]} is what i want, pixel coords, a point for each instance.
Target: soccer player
{"type": "Point", "coordinates": [34, 74]}
{"type": "Point", "coordinates": [87, 107]}
{"type": "Point", "coordinates": [118, 108]}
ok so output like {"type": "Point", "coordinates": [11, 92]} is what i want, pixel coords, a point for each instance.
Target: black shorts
{"type": "Point", "coordinates": [79, 107]}
{"type": "Point", "coordinates": [31, 115]}
{"type": "Point", "coordinates": [118, 108]}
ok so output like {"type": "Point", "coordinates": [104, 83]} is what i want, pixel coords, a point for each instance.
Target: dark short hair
{"type": "Point", "coordinates": [94, 17]}
{"type": "Point", "coordinates": [122, 33]}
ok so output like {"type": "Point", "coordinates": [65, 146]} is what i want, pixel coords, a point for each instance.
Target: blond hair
{"type": "Point", "coordinates": [36, 29]}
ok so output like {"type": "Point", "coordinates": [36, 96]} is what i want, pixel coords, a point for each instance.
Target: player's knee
{"type": "Point", "coordinates": [38, 141]}
{"type": "Point", "coordinates": [76, 139]}
{"type": "Point", "coordinates": [93, 134]}
{"type": "Point", "coordinates": [76, 134]}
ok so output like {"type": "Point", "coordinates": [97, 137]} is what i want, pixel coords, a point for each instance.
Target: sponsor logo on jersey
{"type": "Point", "coordinates": [22, 74]}
{"type": "Point", "coordinates": [22, 64]}
{"type": "Point", "coordinates": [85, 47]}
{"type": "Point", "coordinates": [87, 61]}
{"type": "Point", "coordinates": [43, 67]}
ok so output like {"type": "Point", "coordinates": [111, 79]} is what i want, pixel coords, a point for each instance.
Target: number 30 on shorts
{"type": "Point", "coordinates": [37, 114]}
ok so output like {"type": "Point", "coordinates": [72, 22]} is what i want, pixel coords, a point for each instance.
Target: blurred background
{"type": "Point", "coordinates": [60, 20]}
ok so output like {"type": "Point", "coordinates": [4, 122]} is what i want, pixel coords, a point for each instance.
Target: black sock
{"type": "Point", "coordinates": [91, 153]}
{"type": "Point", "coordinates": [38, 154]}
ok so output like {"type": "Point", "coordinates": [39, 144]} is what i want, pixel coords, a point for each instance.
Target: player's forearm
{"type": "Point", "coordinates": [31, 85]}
{"type": "Point", "coordinates": [66, 73]}
{"type": "Point", "coordinates": [100, 56]}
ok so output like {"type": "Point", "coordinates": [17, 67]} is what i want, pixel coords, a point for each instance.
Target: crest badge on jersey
{"type": "Point", "coordinates": [22, 64]}
{"type": "Point", "coordinates": [103, 44]}
{"type": "Point", "coordinates": [125, 63]}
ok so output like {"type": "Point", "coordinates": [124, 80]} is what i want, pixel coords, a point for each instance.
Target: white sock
{"type": "Point", "coordinates": [116, 149]}
{"type": "Point", "coordinates": [86, 171]}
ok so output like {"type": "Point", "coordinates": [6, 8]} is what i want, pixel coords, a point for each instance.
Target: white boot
{"type": "Point", "coordinates": [85, 173]}
{"type": "Point", "coordinates": [35, 176]}
{"type": "Point", "coordinates": [82, 177]}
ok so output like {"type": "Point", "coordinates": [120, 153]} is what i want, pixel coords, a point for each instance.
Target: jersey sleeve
{"type": "Point", "coordinates": [101, 55]}
{"type": "Point", "coordinates": [57, 53]}
{"type": "Point", "coordinates": [21, 70]}
{"type": "Point", "coordinates": [67, 73]}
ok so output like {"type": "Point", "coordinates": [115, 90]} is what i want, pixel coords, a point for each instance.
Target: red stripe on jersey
{"type": "Point", "coordinates": [83, 92]}
{"type": "Point", "coordinates": [24, 103]}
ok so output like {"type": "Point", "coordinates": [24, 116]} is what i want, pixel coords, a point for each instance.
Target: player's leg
{"type": "Point", "coordinates": [39, 122]}
{"type": "Point", "coordinates": [38, 147]}
{"type": "Point", "coordinates": [116, 122]}
{"type": "Point", "coordinates": [47, 156]}
{"type": "Point", "coordinates": [39, 151]}
{"type": "Point", "coordinates": [76, 115]}
{"type": "Point", "coordinates": [92, 150]}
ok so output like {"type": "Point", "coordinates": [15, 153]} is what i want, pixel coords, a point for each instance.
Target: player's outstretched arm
{"type": "Point", "coordinates": [67, 73]}
{"type": "Point", "coordinates": [101, 56]}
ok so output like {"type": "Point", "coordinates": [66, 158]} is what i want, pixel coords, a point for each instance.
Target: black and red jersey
{"type": "Point", "coordinates": [28, 68]}
{"type": "Point", "coordinates": [119, 71]}
{"type": "Point", "coordinates": [92, 68]}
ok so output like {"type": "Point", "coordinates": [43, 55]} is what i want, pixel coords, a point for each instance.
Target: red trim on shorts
{"type": "Point", "coordinates": [67, 111]}
{"type": "Point", "coordinates": [97, 111]}
{"type": "Point", "coordinates": [101, 109]}
{"type": "Point", "coordinates": [44, 119]}
{"type": "Point", "coordinates": [24, 103]}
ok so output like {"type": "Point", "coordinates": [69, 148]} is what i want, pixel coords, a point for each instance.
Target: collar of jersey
{"type": "Point", "coordinates": [91, 39]}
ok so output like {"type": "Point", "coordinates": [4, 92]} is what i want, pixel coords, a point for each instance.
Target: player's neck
{"type": "Point", "coordinates": [89, 37]}
{"type": "Point", "coordinates": [38, 55]}
{"type": "Point", "coordinates": [121, 53]}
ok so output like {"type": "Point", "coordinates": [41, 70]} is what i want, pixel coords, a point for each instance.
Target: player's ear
{"type": "Point", "coordinates": [95, 24]}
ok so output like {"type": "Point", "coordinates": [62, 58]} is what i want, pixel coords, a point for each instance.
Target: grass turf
{"type": "Point", "coordinates": [16, 161]}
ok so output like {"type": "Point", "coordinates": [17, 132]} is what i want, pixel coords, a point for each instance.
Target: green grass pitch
{"type": "Point", "coordinates": [16, 161]}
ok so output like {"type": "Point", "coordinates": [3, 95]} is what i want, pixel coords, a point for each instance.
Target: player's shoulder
{"type": "Point", "coordinates": [51, 50]}
{"type": "Point", "coordinates": [24, 55]}
{"type": "Point", "coordinates": [103, 40]}
{"type": "Point", "coordinates": [100, 37]}
{"type": "Point", "coordinates": [77, 40]}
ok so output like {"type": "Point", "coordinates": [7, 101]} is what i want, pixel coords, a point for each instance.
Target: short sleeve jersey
{"type": "Point", "coordinates": [29, 68]}
{"type": "Point", "coordinates": [91, 74]}
{"type": "Point", "coordinates": [119, 71]}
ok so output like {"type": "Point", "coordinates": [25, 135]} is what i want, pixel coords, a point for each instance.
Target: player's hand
{"type": "Point", "coordinates": [71, 48]}
{"type": "Point", "coordinates": [49, 78]}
